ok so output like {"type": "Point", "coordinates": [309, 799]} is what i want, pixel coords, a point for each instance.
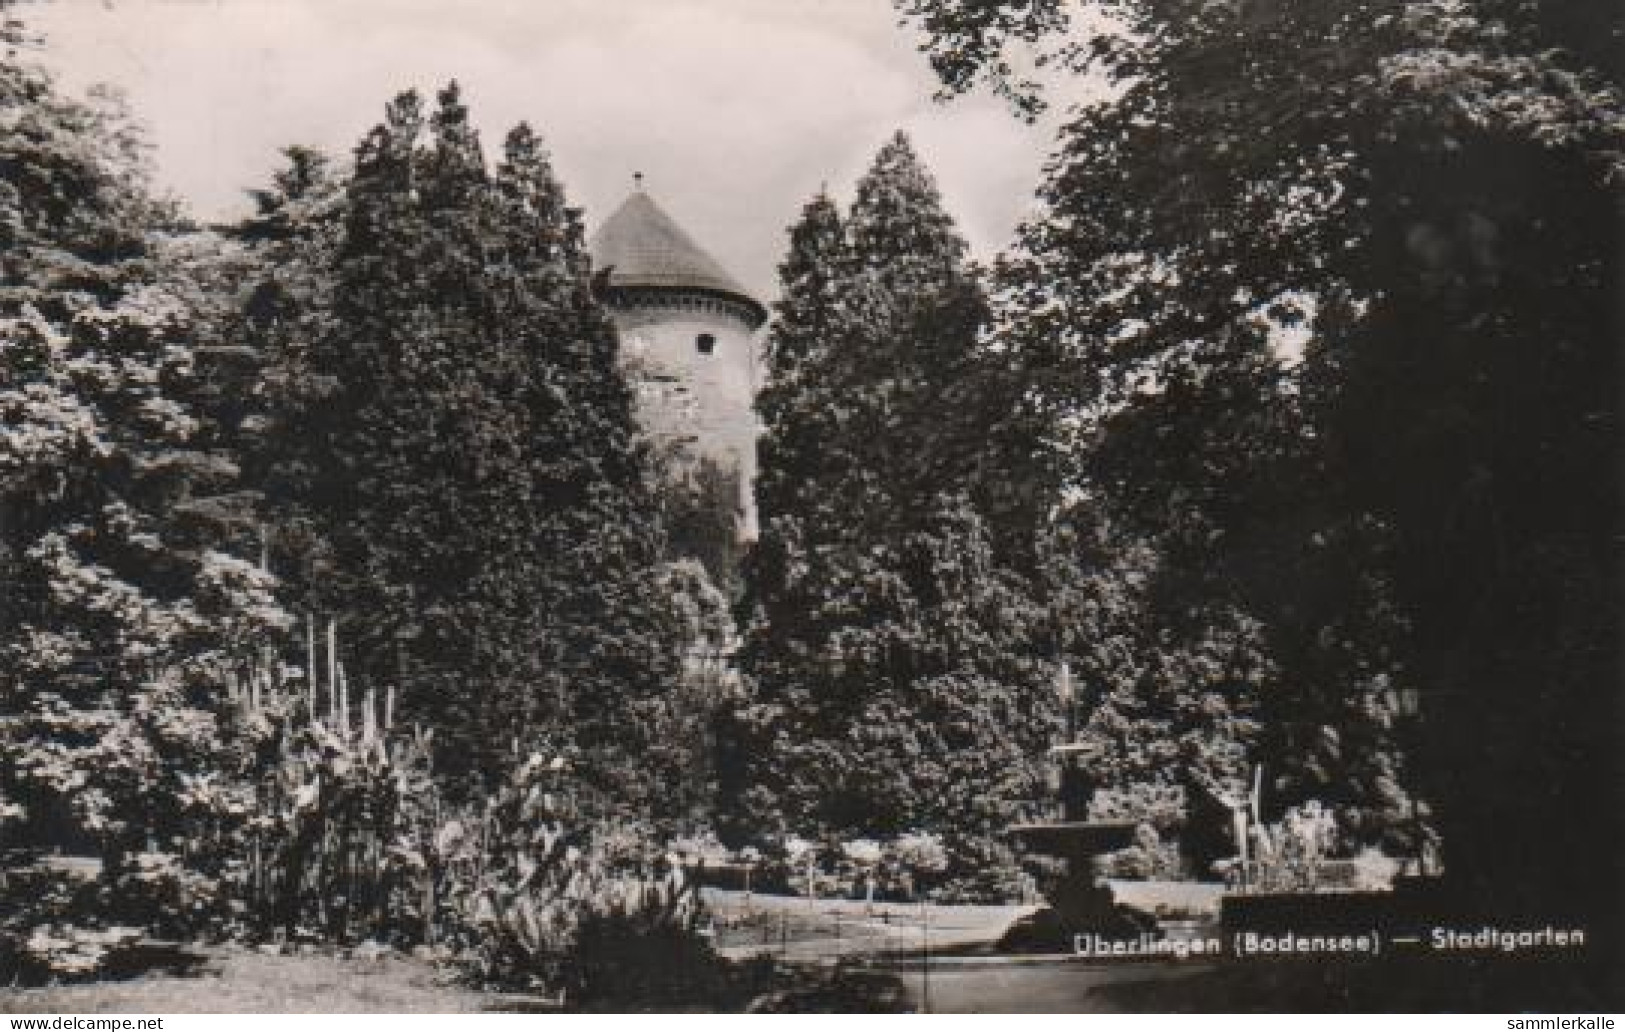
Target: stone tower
{"type": "Point", "coordinates": [688, 336]}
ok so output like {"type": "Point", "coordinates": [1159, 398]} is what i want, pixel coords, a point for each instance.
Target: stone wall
{"type": "Point", "coordinates": [693, 360]}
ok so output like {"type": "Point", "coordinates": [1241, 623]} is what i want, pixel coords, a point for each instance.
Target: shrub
{"type": "Point", "coordinates": [290, 812]}
{"type": "Point", "coordinates": [860, 864]}
{"type": "Point", "coordinates": [541, 901]}
{"type": "Point", "coordinates": [340, 847]}
{"type": "Point", "coordinates": [915, 858]}
{"type": "Point", "coordinates": [134, 795]}
{"type": "Point", "coordinates": [1291, 855]}
{"type": "Point", "coordinates": [1148, 859]}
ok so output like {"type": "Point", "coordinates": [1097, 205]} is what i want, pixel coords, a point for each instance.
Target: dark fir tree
{"type": "Point", "coordinates": [454, 463]}
{"type": "Point", "coordinates": [899, 682]}
{"type": "Point", "coordinates": [805, 321]}
{"type": "Point", "coordinates": [414, 452]}
{"type": "Point", "coordinates": [615, 624]}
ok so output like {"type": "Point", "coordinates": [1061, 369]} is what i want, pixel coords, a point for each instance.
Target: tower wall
{"type": "Point", "coordinates": [697, 399]}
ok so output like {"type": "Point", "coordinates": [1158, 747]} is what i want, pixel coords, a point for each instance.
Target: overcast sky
{"type": "Point", "coordinates": [735, 110]}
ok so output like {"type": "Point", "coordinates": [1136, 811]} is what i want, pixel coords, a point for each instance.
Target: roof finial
{"type": "Point", "coordinates": [637, 181]}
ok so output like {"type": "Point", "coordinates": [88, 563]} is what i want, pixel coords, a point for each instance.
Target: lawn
{"type": "Point", "coordinates": [803, 939]}
{"type": "Point", "coordinates": [231, 980]}
{"type": "Point", "coordinates": [235, 980]}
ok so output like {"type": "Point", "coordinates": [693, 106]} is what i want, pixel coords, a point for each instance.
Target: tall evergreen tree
{"type": "Point", "coordinates": [900, 684]}
{"type": "Point", "coordinates": [456, 438]}
{"type": "Point", "coordinates": [419, 480]}
{"type": "Point", "coordinates": [806, 319]}
{"type": "Point", "coordinates": [603, 610]}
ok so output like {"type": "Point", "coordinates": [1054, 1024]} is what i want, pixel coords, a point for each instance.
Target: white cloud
{"type": "Point", "coordinates": [736, 110]}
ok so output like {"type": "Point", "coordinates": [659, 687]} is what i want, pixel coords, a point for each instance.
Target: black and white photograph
{"type": "Point", "coordinates": [588, 507]}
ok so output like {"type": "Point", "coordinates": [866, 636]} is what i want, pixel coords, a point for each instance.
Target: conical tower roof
{"type": "Point", "coordinates": [641, 246]}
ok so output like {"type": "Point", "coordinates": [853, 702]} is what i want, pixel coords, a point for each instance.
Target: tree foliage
{"type": "Point", "coordinates": [452, 461]}
{"type": "Point", "coordinates": [895, 655]}
{"type": "Point", "coordinates": [1326, 293]}
{"type": "Point", "coordinates": [393, 387]}
{"type": "Point", "coordinates": [126, 594]}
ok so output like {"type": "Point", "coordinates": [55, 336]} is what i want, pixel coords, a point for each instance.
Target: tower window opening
{"type": "Point", "coordinates": [705, 343]}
